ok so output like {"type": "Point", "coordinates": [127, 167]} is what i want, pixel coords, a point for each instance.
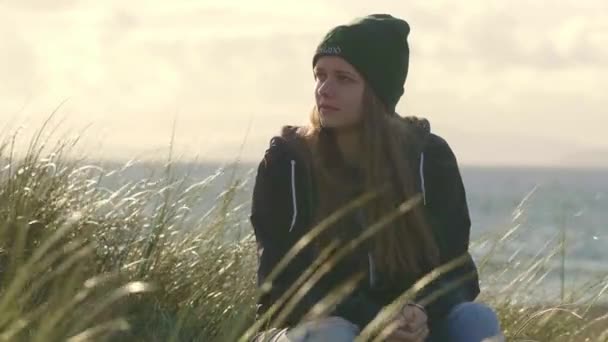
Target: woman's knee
{"type": "Point", "coordinates": [326, 329]}
{"type": "Point", "coordinates": [475, 313]}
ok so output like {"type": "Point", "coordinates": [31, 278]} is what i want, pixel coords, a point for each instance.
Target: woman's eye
{"type": "Point", "coordinates": [344, 78]}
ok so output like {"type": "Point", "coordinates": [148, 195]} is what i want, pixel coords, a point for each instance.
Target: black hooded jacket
{"type": "Point", "coordinates": [282, 211]}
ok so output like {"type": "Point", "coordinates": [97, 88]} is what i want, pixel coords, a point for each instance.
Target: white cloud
{"type": "Point", "coordinates": [506, 67]}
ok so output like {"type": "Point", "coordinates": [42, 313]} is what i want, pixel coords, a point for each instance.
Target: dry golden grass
{"type": "Point", "coordinates": [80, 262]}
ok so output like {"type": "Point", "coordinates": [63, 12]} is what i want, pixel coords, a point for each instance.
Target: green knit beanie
{"type": "Point", "coordinates": [376, 45]}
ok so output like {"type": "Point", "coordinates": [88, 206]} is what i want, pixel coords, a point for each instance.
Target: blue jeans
{"type": "Point", "coordinates": [467, 322]}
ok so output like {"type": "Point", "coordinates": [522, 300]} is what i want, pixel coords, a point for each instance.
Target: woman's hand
{"type": "Point", "coordinates": [410, 325]}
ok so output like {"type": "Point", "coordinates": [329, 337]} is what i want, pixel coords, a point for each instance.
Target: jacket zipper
{"type": "Point", "coordinates": [370, 259]}
{"type": "Point", "coordinates": [372, 275]}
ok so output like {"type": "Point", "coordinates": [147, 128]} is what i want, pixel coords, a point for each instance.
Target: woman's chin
{"type": "Point", "coordinates": [342, 126]}
{"type": "Point", "coordinates": [328, 123]}
{"type": "Point", "coordinates": [331, 121]}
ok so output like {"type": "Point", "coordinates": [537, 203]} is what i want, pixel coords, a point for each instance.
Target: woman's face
{"type": "Point", "coordinates": [338, 92]}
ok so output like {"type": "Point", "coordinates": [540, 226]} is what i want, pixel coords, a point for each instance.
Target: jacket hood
{"type": "Point", "coordinates": [418, 127]}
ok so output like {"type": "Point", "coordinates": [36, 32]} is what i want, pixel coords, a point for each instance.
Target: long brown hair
{"type": "Point", "coordinates": [408, 244]}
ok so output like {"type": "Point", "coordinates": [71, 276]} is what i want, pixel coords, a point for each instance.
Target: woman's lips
{"type": "Point", "coordinates": [325, 107]}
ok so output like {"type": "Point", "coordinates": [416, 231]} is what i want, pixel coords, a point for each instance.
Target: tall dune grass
{"type": "Point", "coordinates": [139, 262]}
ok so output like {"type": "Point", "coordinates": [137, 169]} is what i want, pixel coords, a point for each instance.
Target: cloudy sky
{"type": "Point", "coordinates": [505, 82]}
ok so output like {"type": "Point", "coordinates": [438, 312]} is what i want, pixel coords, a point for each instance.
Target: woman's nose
{"type": "Point", "coordinates": [325, 88]}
